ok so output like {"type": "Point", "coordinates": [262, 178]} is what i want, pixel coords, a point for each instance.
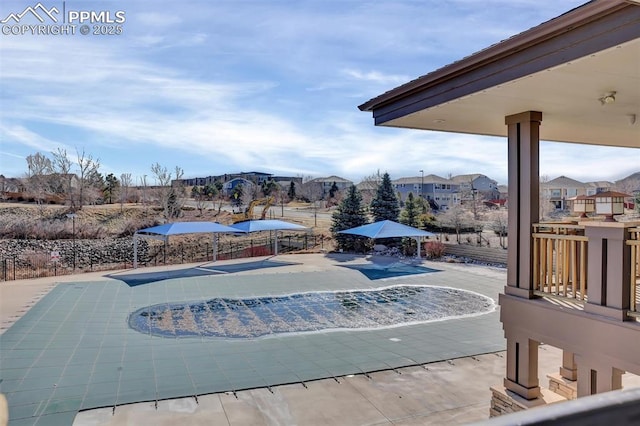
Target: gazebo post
{"type": "Point", "coordinates": [215, 246]}
{"type": "Point", "coordinates": [135, 250]}
{"type": "Point", "coordinates": [275, 242]}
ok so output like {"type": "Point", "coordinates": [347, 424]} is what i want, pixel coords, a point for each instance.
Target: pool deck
{"type": "Point", "coordinates": [68, 356]}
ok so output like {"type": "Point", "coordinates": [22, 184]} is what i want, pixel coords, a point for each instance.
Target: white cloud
{"type": "Point", "coordinates": [228, 86]}
{"type": "Point", "coordinates": [376, 77]}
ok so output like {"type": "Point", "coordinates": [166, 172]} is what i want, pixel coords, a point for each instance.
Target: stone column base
{"type": "Point", "coordinates": [564, 387]}
{"type": "Point", "coordinates": [504, 401]}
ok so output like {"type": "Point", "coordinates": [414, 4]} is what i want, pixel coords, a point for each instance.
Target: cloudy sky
{"type": "Point", "coordinates": [223, 86]}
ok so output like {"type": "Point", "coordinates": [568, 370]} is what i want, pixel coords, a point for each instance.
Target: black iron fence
{"type": "Point", "coordinates": [37, 264]}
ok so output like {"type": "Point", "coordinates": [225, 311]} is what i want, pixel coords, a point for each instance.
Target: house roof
{"type": "Point", "coordinates": [600, 184]}
{"type": "Point", "coordinates": [330, 179]}
{"type": "Point", "coordinates": [418, 179]}
{"type": "Point", "coordinates": [367, 185]}
{"type": "Point", "coordinates": [563, 68]}
{"type": "Point", "coordinates": [563, 182]}
{"type": "Point", "coordinates": [468, 178]}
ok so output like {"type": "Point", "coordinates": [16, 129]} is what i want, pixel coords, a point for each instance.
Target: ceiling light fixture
{"type": "Point", "coordinates": [609, 98]}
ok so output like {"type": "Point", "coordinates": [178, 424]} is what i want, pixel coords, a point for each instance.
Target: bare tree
{"type": "Point", "coordinates": [62, 166]}
{"type": "Point", "coordinates": [38, 175]}
{"type": "Point", "coordinates": [170, 194]}
{"type": "Point", "coordinates": [457, 218]}
{"type": "Point", "coordinates": [311, 190]}
{"type": "Point", "coordinates": [545, 198]}
{"type": "Point", "coordinates": [178, 195]}
{"type": "Point", "coordinates": [163, 181]}
{"type": "Point", "coordinates": [87, 166]}
{"type": "Point", "coordinates": [125, 183]}
{"type": "Point", "coordinates": [144, 185]}
{"type": "Point", "coordinates": [471, 197]}
{"type": "Point", "coordinates": [368, 187]}
{"type": "Point", "coordinates": [499, 221]}
{"type": "Point", "coordinates": [200, 197]}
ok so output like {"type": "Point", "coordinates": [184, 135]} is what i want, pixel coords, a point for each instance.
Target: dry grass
{"type": "Point", "coordinates": [25, 221]}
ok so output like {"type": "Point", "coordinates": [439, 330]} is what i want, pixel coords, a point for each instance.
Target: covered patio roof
{"type": "Point", "coordinates": [564, 67]}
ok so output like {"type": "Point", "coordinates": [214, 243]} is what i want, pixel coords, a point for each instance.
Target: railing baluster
{"type": "Point", "coordinates": [559, 256]}
{"type": "Point", "coordinates": [536, 257]}
{"type": "Point", "coordinates": [583, 270]}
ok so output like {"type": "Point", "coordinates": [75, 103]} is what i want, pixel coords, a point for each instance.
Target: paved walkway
{"type": "Point", "coordinates": [73, 350]}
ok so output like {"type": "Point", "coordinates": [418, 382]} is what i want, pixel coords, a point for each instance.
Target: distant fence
{"type": "Point", "coordinates": [42, 264]}
{"type": "Point", "coordinates": [477, 253]}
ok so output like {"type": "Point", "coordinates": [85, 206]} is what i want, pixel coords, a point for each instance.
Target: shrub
{"type": "Point", "coordinates": [434, 249]}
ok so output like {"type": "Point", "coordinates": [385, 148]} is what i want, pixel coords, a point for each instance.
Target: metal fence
{"type": "Point", "coordinates": [37, 265]}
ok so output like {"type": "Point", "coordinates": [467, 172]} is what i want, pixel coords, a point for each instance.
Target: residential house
{"type": "Point", "coordinates": [440, 192]}
{"type": "Point", "coordinates": [230, 185]}
{"type": "Point", "coordinates": [476, 186]}
{"type": "Point", "coordinates": [255, 177]}
{"type": "Point", "coordinates": [593, 188]}
{"type": "Point", "coordinates": [560, 190]}
{"type": "Point", "coordinates": [319, 188]}
{"type": "Point", "coordinates": [575, 287]}
{"type": "Point", "coordinates": [368, 190]}
{"type": "Point", "coordinates": [504, 194]}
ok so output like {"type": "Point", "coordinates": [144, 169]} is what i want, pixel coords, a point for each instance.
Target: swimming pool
{"type": "Point", "coordinates": [241, 318]}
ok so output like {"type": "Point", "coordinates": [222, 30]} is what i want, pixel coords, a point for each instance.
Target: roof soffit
{"type": "Point", "coordinates": [562, 74]}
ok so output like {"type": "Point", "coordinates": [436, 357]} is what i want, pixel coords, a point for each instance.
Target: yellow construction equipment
{"type": "Point", "coordinates": [248, 213]}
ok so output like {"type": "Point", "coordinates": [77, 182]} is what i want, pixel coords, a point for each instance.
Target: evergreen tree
{"type": "Point", "coordinates": [292, 191]}
{"type": "Point", "coordinates": [173, 205]}
{"type": "Point", "coordinates": [268, 187]}
{"type": "Point", "coordinates": [333, 190]}
{"type": "Point", "coordinates": [111, 187]}
{"type": "Point", "coordinates": [385, 205]}
{"type": "Point", "coordinates": [210, 191]}
{"type": "Point", "coordinates": [349, 214]}
{"type": "Point", "coordinates": [236, 196]}
{"type": "Point", "coordinates": [410, 216]}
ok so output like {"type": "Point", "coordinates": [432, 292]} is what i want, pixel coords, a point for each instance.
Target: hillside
{"type": "Point", "coordinates": [629, 184]}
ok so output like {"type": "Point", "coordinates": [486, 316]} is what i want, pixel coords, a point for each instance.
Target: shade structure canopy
{"type": "Point", "coordinates": [177, 228]}
{"type": "Point", "coordinates": [163, 232]}
{"type": "Point", "coordinates": [388, 229]}
{"type": "Point", "coordinates": [268, 225]}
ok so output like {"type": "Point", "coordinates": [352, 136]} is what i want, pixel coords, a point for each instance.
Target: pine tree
{"type": "Point", "coordinates": [410, 216]}
{"type": "Point", "coordinates": [292, 191]}
{"type": "Point", "coordinates": [385, 205]}
{"type": "Point", "coordinates": [333, 190]}
{"type": "Point", "coordinates": [350, 213]}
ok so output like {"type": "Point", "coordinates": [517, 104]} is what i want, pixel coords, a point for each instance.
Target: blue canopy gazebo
{"type": "Point", "coordinates": [162, 232]}
{"type": "Point", "coordinates": [388, 229]}
{"type": "Point", "coordinates": [268, 225]}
